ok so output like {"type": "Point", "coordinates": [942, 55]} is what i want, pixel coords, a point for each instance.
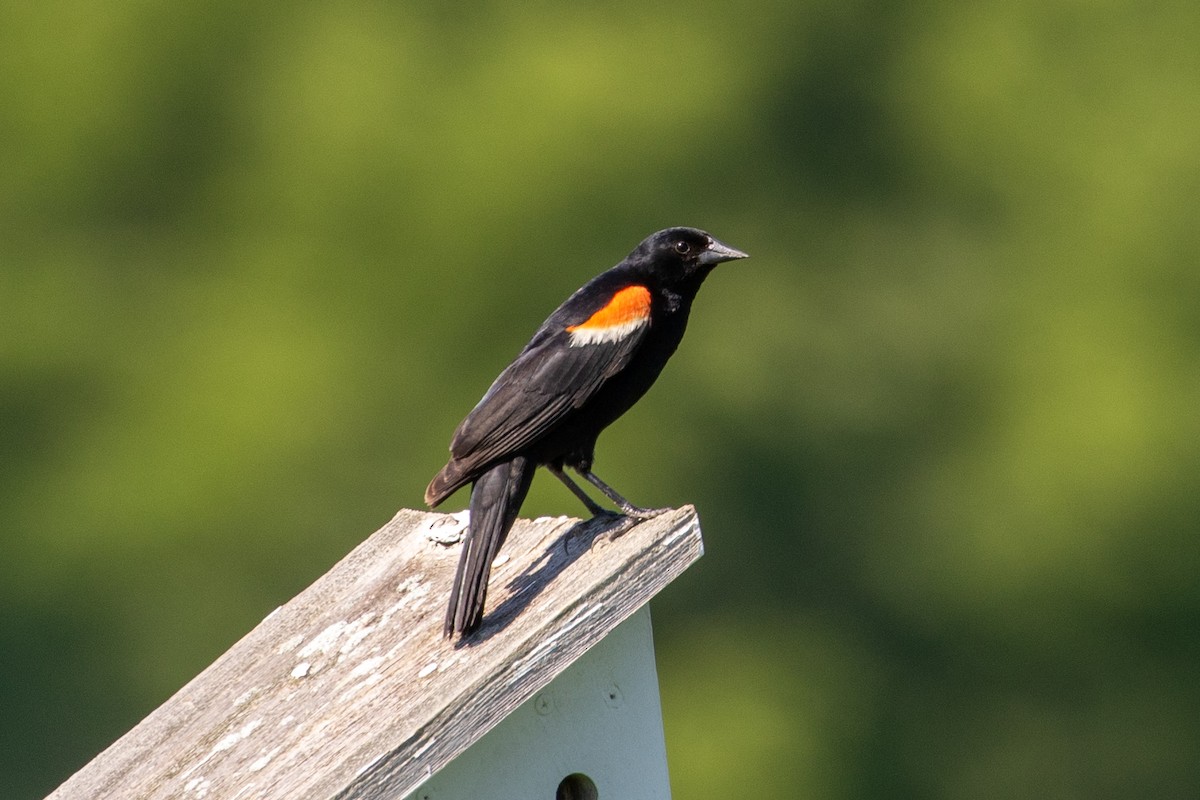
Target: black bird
{"type": "Point", "coordinates": [594, 357]}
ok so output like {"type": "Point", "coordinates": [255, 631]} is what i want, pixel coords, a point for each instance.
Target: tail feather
{"type": "Point", "coordinates": [496, 498]}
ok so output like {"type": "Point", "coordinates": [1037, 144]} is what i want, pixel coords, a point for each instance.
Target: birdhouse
{"type": "Point", "coordinates": [350, 690]}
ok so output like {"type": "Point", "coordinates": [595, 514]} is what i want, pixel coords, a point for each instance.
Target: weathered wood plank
{"type": "Point", "coordinates": [350, 691]}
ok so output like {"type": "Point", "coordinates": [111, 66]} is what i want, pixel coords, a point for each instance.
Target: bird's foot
{"type": "Point", "coordinates": [622, 524]}
{"type": "Point", "coordinates": [615, 524]}
{"type": "Point", "coordinates": [639, 513]}
{"type": "Point", "coordinates": [627, 508]}
{"type": "Point", "coordinates": [630, 517]}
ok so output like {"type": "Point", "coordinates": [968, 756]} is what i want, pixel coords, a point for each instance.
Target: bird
{"type": "Point", "coordinates": [586, 365]}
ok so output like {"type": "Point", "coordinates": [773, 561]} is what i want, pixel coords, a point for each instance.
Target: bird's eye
{"type": "Point", "coordinates": [682, 247]}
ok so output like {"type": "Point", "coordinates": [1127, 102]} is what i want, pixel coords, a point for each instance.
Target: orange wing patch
{"type": "Point", "coordinates": [628, 310]}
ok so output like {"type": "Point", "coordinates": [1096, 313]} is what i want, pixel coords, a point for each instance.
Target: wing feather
{"type": "Point", "coordinates": [546, 383]}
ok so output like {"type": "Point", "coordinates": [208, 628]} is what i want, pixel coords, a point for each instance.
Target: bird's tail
{"type": "Point", "coordinates": [496, 498]}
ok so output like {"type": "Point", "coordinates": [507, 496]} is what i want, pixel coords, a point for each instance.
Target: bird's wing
{"type": "Point", "coordinates": [574, 353]}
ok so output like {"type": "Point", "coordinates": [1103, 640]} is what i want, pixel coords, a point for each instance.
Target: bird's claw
{"type": "Point", "coordinates": [640, 513]}
{"type": "Point", "coordinates": [622, 526]}
{"type": "Point", "coordinates": [627, 519]}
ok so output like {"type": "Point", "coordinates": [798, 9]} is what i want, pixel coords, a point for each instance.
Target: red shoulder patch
{"type": "Point", "coordinates": [630, 305]}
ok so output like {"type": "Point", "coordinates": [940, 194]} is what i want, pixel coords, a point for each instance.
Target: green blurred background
{"type": "Point", "coordinates": [943, 429]}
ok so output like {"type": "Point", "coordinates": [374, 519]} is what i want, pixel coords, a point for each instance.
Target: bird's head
{"type": "Point", "coordinates": [681, 253]}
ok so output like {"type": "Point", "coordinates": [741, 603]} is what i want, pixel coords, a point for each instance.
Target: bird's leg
{"type": "Point", "coordinates": [627, 508]}
{"type": "Point", "coordinates": [592, 506]}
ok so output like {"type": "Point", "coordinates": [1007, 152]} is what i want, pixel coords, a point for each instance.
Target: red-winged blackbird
{"type": "Point", "coordinates": [586, 365]}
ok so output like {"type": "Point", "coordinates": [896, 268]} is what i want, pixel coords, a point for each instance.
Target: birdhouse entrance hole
{"type": "Point", "coordinates": [577, 786]}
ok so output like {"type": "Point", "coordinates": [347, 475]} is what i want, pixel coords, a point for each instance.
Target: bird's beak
{"type": "Point", "coordinates": [718, 252]}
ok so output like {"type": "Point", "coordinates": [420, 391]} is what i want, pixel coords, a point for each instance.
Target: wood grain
{"type": "Point", "coordinates": [350, 691]}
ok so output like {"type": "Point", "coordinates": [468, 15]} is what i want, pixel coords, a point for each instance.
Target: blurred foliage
{"type": "Point", "coordinates": [257, 260]}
